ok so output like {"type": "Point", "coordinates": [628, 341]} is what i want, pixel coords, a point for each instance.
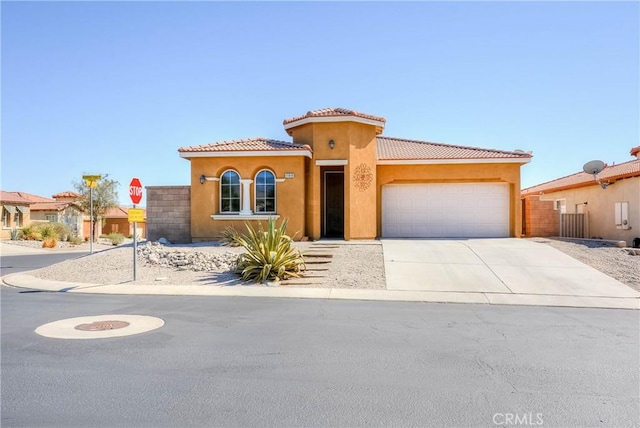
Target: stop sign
{"type": "Point", "coordinates": [135, 190]}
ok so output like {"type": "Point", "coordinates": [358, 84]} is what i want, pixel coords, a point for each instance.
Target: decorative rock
{"type": "Point", "coordinates": [164, 241]}
{"type": "Point", "coordinates": [154, 253]}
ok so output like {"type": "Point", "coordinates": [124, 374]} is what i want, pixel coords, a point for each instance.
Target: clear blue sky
{"type": "Point", "coordinates": [117, 87]}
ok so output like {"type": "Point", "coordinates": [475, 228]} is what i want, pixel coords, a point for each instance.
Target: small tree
{"type": "Point", "coordinates": [105, 196]}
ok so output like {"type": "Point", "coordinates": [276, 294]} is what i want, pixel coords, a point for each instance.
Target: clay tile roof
{"type": "Point", "coordinates": [245, 145]}
{"type": "Point", "coordinates": [402, 149]}
{"type": "Point", "coordinates": [66, 194]}
{"type": "Point", "coordinates": [11, 197]}
{"type": "Point", "coordinates": [336, 112]}
{"type": "Point", "coordinates": [50, 206]}
{"type": "Point", "coordinates": [580, 179]}
{"type": "Point", "coordinates": [33, 198]}
{"type": "Point", "coordinates": [118, 212]}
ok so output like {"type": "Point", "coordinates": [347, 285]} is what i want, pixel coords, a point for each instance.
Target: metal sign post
{"type": "Point", "coordinates": [135, 247]}
{"type": "Point", "coordinates": [91, 219]}
{"type": "Point", "coordinates": [92, 182]}
{"type": "Point", "coordinates": [135, 215]}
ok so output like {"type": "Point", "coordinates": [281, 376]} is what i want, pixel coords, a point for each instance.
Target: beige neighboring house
{"type": "Point", "coordinates": [15, 213]}
{"type": "Point", "coordinates": [60, 209]}
{"type": "Point", "coordinates": [578, 206]}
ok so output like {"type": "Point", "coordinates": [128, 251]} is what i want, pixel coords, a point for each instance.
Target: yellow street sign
{"type": "Point", "coordinates": [136, 215]}
{"type": "Point", "coordinates": [91, 180]}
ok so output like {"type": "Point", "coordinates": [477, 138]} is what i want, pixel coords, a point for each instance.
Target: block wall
{"type": "Point", "coordinates": [169, 213]}
{"type": "Point", "coordinates": [540, 217]}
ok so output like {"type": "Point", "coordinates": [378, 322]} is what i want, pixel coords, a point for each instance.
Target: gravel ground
{"type": "Point", "coordinates": [352, 265]}
{"type": "Point", "coordinates": [613, 261]}
{"type": "Point", "coordinates": [114, 266]}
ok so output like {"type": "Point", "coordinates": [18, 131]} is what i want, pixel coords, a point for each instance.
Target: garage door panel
{"type": "Point", "coordinates": [445, 210]}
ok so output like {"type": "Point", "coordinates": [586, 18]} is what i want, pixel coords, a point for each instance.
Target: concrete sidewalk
{"type": "Point", "coordinates": [30, 282]}
{"type": "Point", "coordinates": [505, 271]}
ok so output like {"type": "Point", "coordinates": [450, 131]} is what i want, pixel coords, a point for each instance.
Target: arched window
{"type": "Point", "coordinates": [230, 192]}
{"type": "Point", "coordinates": [265, 192]}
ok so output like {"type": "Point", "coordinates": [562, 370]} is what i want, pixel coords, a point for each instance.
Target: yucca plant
{"type": "Point", "coordinates": [230, 237]}
{"type": "Point", "coordinates": [270, 253]}
{"type": "Point", "coordinates": [15, 234]}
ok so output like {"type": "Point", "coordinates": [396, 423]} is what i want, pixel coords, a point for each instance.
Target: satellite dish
{"type": "Point", "coordinates": [593, 167]}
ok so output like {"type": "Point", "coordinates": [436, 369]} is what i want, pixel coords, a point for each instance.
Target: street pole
{"type": "Point", "coordinates": [91, 217]}
{"type": "Point", "coordinates": [135, 247]}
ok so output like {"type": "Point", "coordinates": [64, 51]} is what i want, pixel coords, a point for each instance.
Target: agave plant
{"type": "Point", "coordinates": [270, 253]}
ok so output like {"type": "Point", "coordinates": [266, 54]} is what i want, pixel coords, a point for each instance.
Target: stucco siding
{"type": "Point", "coordinates": [600, 206]}
{"type": "Point", "coordinates": [451, 173]}
{"type": "Point", "coordinates": [205, 198]}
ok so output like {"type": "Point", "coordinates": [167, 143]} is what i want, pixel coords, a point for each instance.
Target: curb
{"type": "Point", "coordinates": [24, 281]}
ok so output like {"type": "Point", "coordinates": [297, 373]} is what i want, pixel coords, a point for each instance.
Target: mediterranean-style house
{"type": "Point", "coordinates": [340, 177]}
{"type": "Point", "coordinates": [579, 206]}
{"type": "Point", "coordinates": [15, 213]}
{"type": "Point", "coordinates": [60, 209]}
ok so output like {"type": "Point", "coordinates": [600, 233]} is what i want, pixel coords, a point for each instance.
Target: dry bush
{"type": "Point", "coordinates": [49, 242]}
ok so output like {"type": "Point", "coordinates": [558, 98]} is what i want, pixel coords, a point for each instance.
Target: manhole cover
{"type": "Point", "coordinates": [102, 325]}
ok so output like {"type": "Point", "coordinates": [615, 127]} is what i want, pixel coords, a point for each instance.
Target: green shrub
{"type": "Point", "coordinates": [29, 233]}
{"type": "Point", "coordinates": [46, 230]}
{"type": "Point", "coordinates": [75, 240]}
{"type": "Point", "coordinates": [270, 254]}
{"type": "Point", "coordinates": [15, 234]}
{"type": "Point", "coordinates": [62, 230]}
{"type": "Point", "coordinates": [116, 238]}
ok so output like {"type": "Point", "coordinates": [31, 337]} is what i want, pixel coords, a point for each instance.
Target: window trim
{"type": "Point", "coordinates": [255, 193]}
{"type": "Point", "coordinates": [239, 193]}
{"type": "Point", "coordinates": [563, 204]}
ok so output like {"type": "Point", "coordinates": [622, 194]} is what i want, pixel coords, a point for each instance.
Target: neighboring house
{"type": "Point", "coordinates": [116, 220]}
{"type": "Point", "coordinates": [577, 206]}
{"type": "Point", "coordinates": [340, 177]}
{"type": "Point", "coordinates": [15, 213]}
{"type": "Point", "coordinates": [62, 210]}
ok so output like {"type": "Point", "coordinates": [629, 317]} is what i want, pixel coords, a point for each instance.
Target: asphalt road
{"type": "Point", "coordinates": [287, 362]}
{"type": "Point", "coordinates": [25, 262]}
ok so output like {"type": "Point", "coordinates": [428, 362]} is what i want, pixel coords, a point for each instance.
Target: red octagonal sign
{"type": "Point", "coordinates": [135, 191]}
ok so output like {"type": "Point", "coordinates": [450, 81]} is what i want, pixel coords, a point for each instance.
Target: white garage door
{"type": "Point", "coordinates": [445, 210]}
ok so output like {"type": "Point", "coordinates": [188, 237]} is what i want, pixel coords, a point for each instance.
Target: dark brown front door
{"type": "Point", "coordinates": [334, 204]}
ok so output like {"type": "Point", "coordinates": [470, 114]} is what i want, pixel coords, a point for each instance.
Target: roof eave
{"type": "Point", "coordinates": [332, 119]}
{"type": "Point", "coordinates": [608, 180]}
{"type": "Point", "coordinates": [451, 161]}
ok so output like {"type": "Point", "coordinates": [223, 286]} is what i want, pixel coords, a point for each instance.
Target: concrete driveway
{"type": "Point", "coordinates": [498, 268]}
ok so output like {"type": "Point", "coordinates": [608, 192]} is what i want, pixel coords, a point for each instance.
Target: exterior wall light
{"type": "Point", "coordinates": [332, 144]}
{"type": "Point", "coordinates": [202, 179]}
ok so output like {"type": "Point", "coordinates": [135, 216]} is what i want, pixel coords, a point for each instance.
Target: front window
{"type": "Point", "coordinates": [17, 219]}
{"type": "Point", "coordinates": [5, 218]}
{"type": "Point", "coordinates": [230, 192]}
{"type": "Point", "coordinates": [265, 192]}
{"type": "Point", "coordinates": [51, 218]}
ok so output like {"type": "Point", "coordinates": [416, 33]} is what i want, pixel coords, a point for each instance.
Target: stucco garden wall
{"type": "Point", "coordinates": [540, 218]}
{"type": "Point", "coordinates": [169, 213]}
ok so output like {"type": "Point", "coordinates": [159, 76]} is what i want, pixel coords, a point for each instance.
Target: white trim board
{"type": "Point", "coordinates": [331, 162]}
